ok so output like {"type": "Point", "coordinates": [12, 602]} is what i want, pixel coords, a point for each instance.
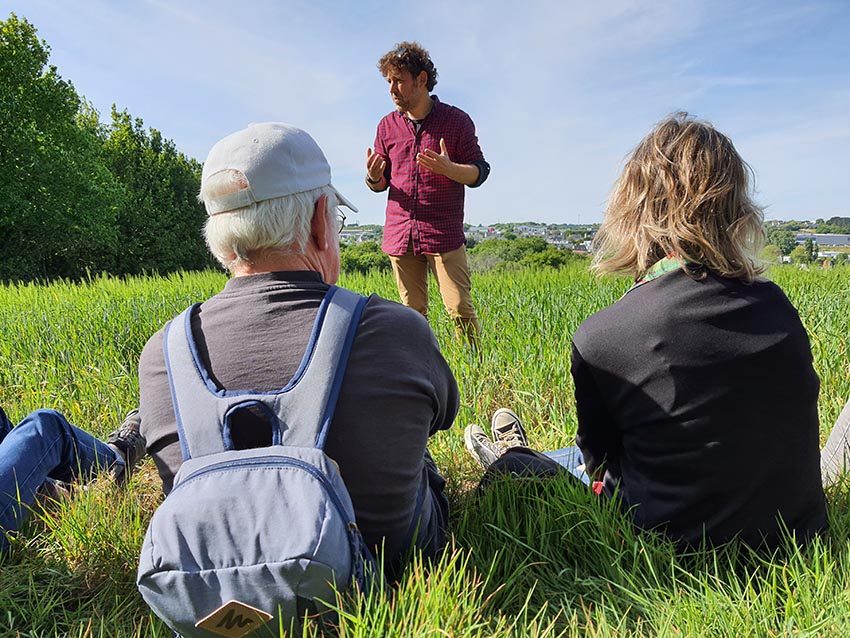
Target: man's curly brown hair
{"type": "Point", "coordinates": [412, 57]}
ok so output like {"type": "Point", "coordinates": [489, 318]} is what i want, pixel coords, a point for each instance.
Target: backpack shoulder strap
{"type": "Point", "coordinates": [310, 398]}
{"type": "Point", "coordinates": [184, 377]}
{"type": "Point", "coordinates": [300, 413]}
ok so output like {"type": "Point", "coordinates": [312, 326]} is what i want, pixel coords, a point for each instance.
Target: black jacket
{"type": "Point", "coordinates": [700, 398]}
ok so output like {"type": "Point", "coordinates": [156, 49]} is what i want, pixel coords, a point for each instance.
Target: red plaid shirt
{"type": "Point", "coordinates": [422, 206]}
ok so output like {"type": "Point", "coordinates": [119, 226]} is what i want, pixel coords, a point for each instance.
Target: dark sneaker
{"type": "Point", "coordinates": [53, 490]}
{"type": "Point", "coordinates": [480, 446]}
{"type": "Point", "coordinates": [130, 444]}
{"type": "Point", "coordinates": [507, 429]}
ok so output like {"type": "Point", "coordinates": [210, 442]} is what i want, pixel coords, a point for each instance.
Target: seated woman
{"type": "Point", "coordinates": [45, 449]}
{"type": "Point", "coordinates": [695, 393]}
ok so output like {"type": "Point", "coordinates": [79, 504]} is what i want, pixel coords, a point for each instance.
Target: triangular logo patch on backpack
{"type": "Point", "coordinates": [234, 620]}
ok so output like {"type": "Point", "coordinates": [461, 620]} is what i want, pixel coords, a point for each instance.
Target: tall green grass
{"type": "Point", "coordinates": [528, 558]}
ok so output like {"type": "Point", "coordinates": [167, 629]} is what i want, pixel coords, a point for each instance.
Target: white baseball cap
{"type": "Point", "coordinates": [276, 159]}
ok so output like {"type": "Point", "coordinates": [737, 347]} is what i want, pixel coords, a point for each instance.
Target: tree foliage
{"type": "Point", "coordinates": [57, 199]}
{"type": "Point", "coordinates": [805, 253]}
{"type": "Point", "coordinates": [783, 238]}
{"type": "Point", "coordinates": [833, 225]}
{"type": "Point", "coordinates": [80, 197]}
{"type": "Point", "coordinates": [842, 223]}
{"type": "Point", "coordinates": [159, 218]}
{"type": "Point", "coordinates": [510, 249]}
{"type": "Point", "coordinates": [362, 258]}
{"type": "Point", "coordinates": [521, 251]}
{"type": "Point", "coordinates": [771, 254]}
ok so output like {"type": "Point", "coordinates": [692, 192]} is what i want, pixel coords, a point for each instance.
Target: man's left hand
{"type": "Point", "coordinates": [441, 164]}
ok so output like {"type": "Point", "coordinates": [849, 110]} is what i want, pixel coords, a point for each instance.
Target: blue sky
{"type": "Point", "coordinates": [560, 91]}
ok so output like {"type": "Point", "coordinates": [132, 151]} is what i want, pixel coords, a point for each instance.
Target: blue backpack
{"type": "Point", "coordinates": [249, 541]}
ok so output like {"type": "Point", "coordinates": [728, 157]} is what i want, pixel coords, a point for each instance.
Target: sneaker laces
{"type": "Point", "coordinates": [512, 438]}
{"type": "Point", "coordinates": [129, 441]}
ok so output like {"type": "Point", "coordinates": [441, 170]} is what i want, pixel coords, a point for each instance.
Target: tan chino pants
{"type": "Point", "coordinates": [452, 274]}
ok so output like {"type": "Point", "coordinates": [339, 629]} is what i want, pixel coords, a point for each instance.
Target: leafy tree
{"type": "Point", "coordinates": [771, 254]}
{"type": "Point", "coordinates": [80, 196]}
{"type": "Point", "coordinates": [530, 251]}
{"type": "Point", "coordinates": [159, 218]}
{"type": "Point", "coordinates": [527, 245]}
{"type": "Point", "coordinates": [551, 257]}
{"type": "Point", "coordinates": [510, 249]}
{"type": "Point", "coordinates": [57, 199]}
{"type": "Point", "coordinates": [362, 258]}
{"type": "Point", "coordinates": [827, 228]}
{"type": "Point", "coordinates": [840, 222]}
{"type": "Point", "coordinates": [811, 248]}
{"type": "Point", "coordinates": [784, 239]}
{"type": "Point", "coordinates": [800, 255]}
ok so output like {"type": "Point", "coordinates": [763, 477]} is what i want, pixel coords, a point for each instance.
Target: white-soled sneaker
{"type": "Point", "coordinates": [480, 446]}
{"type": "Point", "coordinates": [507, 429]}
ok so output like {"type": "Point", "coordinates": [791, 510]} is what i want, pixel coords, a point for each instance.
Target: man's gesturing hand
{"type": "Point", "coordinates": [439, 163]}
{"type": "Point", "coordinates": [375, 165]}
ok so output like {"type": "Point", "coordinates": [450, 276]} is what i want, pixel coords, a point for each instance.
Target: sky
{"type": "Point", "coordinates": [560, 90]}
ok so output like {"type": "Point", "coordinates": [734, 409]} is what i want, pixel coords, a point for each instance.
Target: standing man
{"type": "Point", "coordinates": [425, 152]}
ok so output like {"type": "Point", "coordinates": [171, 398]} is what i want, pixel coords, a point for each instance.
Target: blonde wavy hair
{"type": "Point", "coordinates": [685, 192]}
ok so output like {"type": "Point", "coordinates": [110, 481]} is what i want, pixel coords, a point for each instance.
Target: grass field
{"type": "Point", "coordinates": [527, 560]}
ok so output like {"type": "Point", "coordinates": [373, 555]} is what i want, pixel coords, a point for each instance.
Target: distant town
{"type": "Point", "coordinates": [570, 236]}
{"type": "Point", "coordinates": [577, 237]}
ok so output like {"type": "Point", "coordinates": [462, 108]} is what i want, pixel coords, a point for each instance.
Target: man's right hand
{"type": "Point", "coordinates": [375, 165]}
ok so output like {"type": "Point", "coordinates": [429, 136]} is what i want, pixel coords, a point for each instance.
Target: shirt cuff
{"type": "Point", "coordinates": [483, 173]}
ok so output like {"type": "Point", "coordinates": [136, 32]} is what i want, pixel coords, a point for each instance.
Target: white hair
{"type": "Point", "coordinates": [274, 226]}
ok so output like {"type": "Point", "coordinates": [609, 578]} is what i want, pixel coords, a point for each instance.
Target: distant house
{"type": "Point", "coordinates": [523, 230]}
{"type": "Point", "coordinates": [356, 235]}
{"type": "Point", "coordinates": [823, 239]}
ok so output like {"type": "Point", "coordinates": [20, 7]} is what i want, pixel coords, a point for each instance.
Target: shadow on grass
{"type": "Point", "coordinates": [551, 549]}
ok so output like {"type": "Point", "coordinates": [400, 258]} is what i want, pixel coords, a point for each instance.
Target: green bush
{"type": "Point", "coordinates": [363, 258]}
{"type": "Point", "coordinates": [509, 254]}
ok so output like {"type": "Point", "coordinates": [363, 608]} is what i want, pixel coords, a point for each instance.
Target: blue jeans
{"type": "Point", "coordinates": [572, 459]}
{"type": "Point", "coordinates": [523, 461]}
{"type": "Point", "coordinates": [42, 447]}
{"type": "Point", "coordinates": [835, 455]}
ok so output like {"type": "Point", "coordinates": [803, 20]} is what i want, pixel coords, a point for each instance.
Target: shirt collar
{"type": "Point", "coordinates": [660, 267]}
{"type": "Point", "coordinates": [265, 278]}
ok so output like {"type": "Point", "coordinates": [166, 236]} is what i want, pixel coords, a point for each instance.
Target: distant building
{"type": "Point", "coordinates": [480, 233]}
{"type": "Point", "coordinates": [521, 230]}
{"type": "Point", "coordinates": [354, 234]}
{"type": "Point", "coordinates": [823, 239]}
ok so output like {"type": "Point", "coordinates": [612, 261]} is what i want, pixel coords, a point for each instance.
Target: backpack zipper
{"type": "Point", "coordinates": [272, 461]}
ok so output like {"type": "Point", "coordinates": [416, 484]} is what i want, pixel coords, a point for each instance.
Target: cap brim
{"type": "Point", "coordinates": [344, 201]}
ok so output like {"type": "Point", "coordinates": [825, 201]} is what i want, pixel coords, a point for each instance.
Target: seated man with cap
{"type": "Point", "coordinates": [274, 225]}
